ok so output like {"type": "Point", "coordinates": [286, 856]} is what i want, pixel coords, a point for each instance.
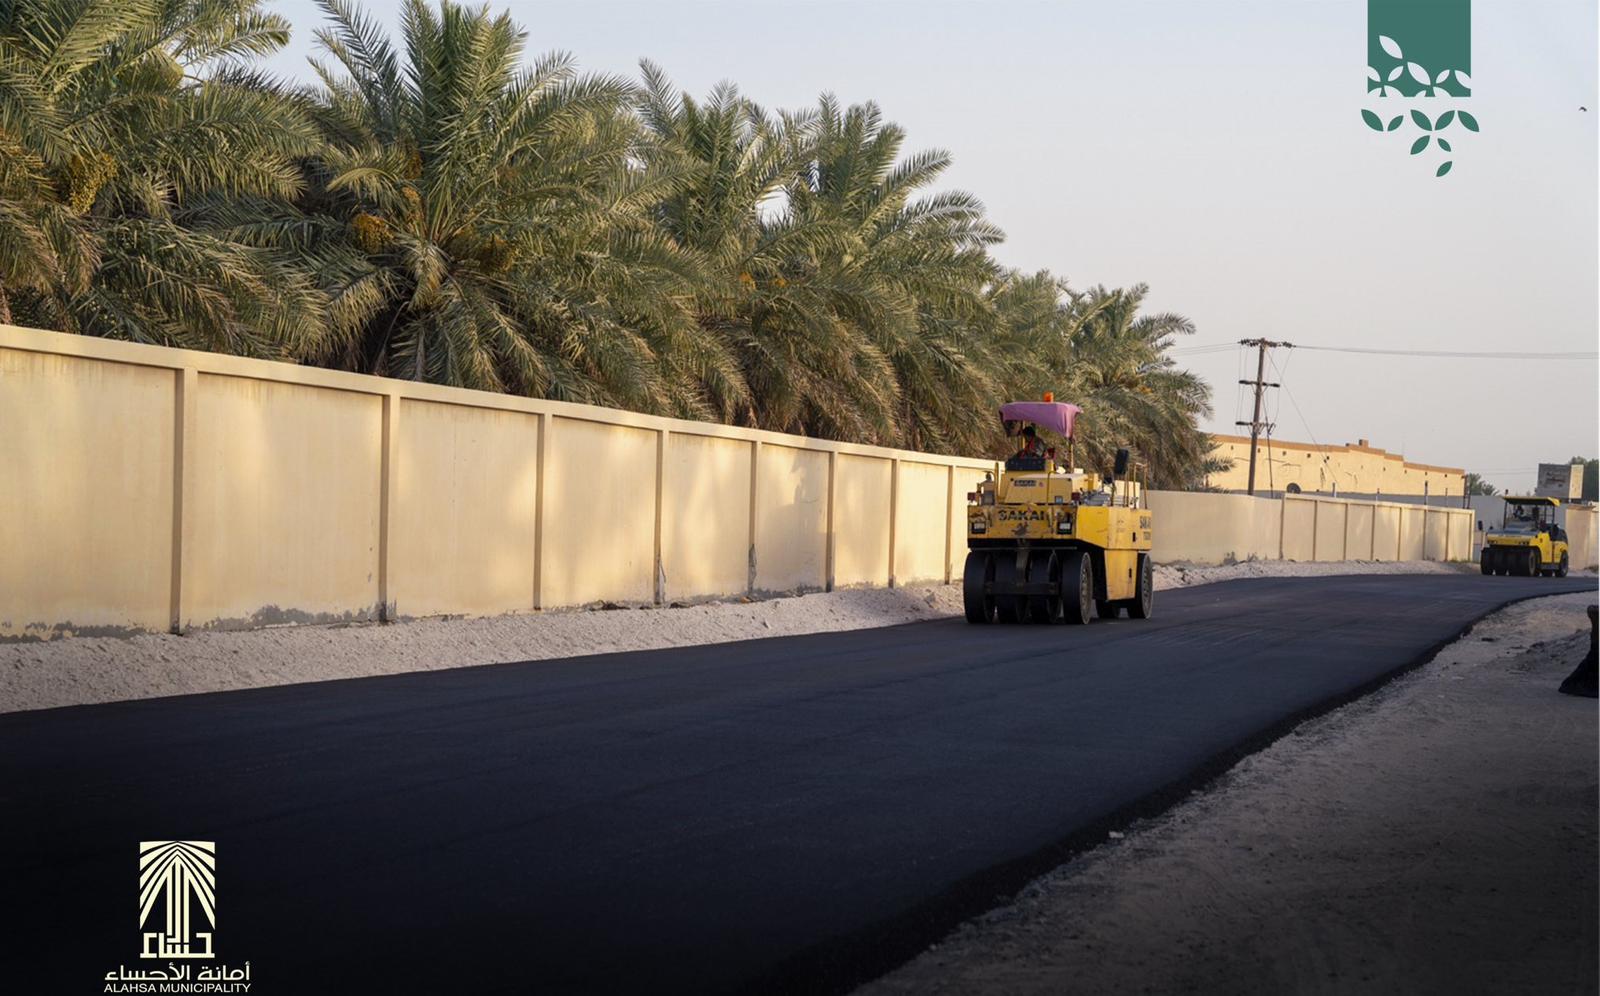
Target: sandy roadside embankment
{"type": "Point", "coordinates": [1436, 836]}
{"type": "Point", "coordinates": [81, 670]}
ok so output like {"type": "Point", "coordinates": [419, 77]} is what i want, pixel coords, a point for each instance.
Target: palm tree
{"type": "Point", "coordinates": [122, 123]}
{"type": "Point", "coordinates": [853, 308]}
{"type": "Point", "coordinates": [1134, 391]}
{"type": "Point", "coordinates": [734, 164]}
{"type": "Point", "coordinates": [907, 275]}
{"type": "Point", "coordinates": [483, 224]}
{"type": "Point", "coordinates": [435, 210]}
{"type": "Point", "coordinates": [1476, 485]}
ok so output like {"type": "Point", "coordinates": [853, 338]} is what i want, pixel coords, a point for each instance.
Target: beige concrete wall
{"type": "Point", "coordinates": [1299, 529]}
{"type": "Point", "coordinates": [1358, 539]}
{"type": "Point", "coordinates": [158, 488]}
{"type": "Point", "coordinates": [1332, 520]}
{"type": "Point", "coordinates": [1583, 538]}
{"type": "Point", "coordinates": [1386, 532]}
{"type": "Point", "coordinates": [962, 483]}
{"type": "Point", "coordinates": [922, 522]}
{"type": "Point", "coordinates": [86, 486]}
{"type": "Point", "coordinates": [861, 521]}
{"type": "Point", "coordinates": [599, 528]}
{"type": "Point", "coordinates": [283, 526]}
{"type": "Point", "coordinates": [1436, 535]}
{"type": "Point", "coordinates": [1211, 528]}
{"type": "Point", "coordinates": [1460, 531]}
{"type": "Point", "coordinates": [705, 518]}
{"type": "Point", "coordinates": [1412, 533]}
{"type": "Point", "coordinates": [466, 493]}
{"type": "Point", "coordinates": [791, 547]}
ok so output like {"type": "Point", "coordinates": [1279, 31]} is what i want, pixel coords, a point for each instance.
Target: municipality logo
{"type": "Point", "coordinates": [177, 880]}
{"type": "Point", "coordinates": [1419, 66]}
{"type": "Point", "coordinates": [177, 923]}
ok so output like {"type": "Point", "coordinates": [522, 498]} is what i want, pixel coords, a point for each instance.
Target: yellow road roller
{"type": "Point", "coordinates": [1528, 542]}
{"type": "Point", "coordinates": [1050, 543]}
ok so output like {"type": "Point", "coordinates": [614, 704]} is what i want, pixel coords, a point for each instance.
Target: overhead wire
{"type": "Point", "coordinates": [1203, 349]}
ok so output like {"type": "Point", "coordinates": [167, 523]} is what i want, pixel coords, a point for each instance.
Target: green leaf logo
{"type": "Point", "coordinates": [1418, 51]}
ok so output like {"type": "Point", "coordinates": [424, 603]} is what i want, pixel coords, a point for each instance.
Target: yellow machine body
{"type": "Point", "coordinates": [1528, 542]}
{"type": "Point", "coordinates": [1025, 517]}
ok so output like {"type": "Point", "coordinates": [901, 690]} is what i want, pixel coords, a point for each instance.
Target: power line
{"type": "Point", "coordinates": [1458, 354]}
{"type": "Point", "coordinates": [1207, 348]}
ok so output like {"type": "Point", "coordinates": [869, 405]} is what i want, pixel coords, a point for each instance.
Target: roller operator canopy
{"type": "Point", "coordinates": [1056, 416]}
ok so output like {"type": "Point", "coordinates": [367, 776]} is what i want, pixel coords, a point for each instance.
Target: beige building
{"type": "Point", "coordinates": [1357, 468]}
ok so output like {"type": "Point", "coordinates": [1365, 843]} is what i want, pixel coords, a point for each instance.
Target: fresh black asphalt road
{"type": "Point", "coordinates": [792, 813]}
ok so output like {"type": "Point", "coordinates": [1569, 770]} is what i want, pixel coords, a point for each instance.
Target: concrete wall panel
{"type": "Point", "coordinates": [466, 484]}
{"type": "Point", "coordinates": [1358, 531]}
{"type": "Point", "coordinates": [1436, 535]}
{"type": "Point", "coordinates": [86, 479]}
{"type": "Point", "coordinates": [705, 522]}
{"type": "Point", "coordinates": [861, 521]}
{"type": "Point", "coordinates": [1413, 533]}
{"type": "Point", "coordinates": [285, 516]}
{"type": "Point", "coordinates": [1583, 538]}
{"type": "Point", "coordinates": [1461, 528]}
{"type": "Point", "coordinates": [1299, 528]}
{"type": "Point", "coordinates": [1386, 531]}
{"type": "Point", "coordinates": [599, 527]}
{"type": "Point", "coordinates": [792, 521]}
{"type": "Point", "coordinates": [1331, 523]}
{"type": "Point", "coordinates": [1209, 528]}
{"type": "Point", "coordinates": [963, 481]}
{"type": "Point", "coordinates": [921, 522]}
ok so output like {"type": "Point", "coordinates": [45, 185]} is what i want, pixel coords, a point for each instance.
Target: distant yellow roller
{"type": "Point", "coordinates": [1528, 542]}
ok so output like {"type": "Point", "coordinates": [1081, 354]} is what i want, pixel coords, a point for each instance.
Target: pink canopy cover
{"type": "Point", "coordinates": [1052, 415]}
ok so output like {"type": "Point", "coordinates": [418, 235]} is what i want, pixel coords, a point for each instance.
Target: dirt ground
{"type": "Point", "coordinates": [80, 670]}
{"type": "Point", "coordinates": [1438, 836]}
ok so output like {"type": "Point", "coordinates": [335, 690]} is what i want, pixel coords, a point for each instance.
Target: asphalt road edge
{"type": "Point", "coordinates": [843, 963]}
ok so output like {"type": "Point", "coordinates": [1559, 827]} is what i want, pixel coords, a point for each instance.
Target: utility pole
{"type": "Point", "coordinates": [1260, 384]}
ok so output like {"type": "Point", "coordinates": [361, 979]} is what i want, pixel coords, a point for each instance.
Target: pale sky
{"type": "Point", "coordinates": [1215, 151]}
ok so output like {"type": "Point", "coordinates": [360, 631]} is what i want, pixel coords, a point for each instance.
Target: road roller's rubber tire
{"type": "Point", "coordinates": [1008, 608]}
{"type": "Point", "coordinates": [1077, 588]}
{"type": "Point", "coordinates": [1561, 568]}
{"type": "Point", "coordinates": [978, 572]}
{"type": "Point", "coordinates": [1143, 602]}
{"type": "Point", "coordinates": [1042, 570]}
{"type": "Point", "coordinates": [1533, 564]}
{"type": "Point", "coordinates": [1484, 564]}
{"type": "Point", "coordinates": [1107, 609]}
